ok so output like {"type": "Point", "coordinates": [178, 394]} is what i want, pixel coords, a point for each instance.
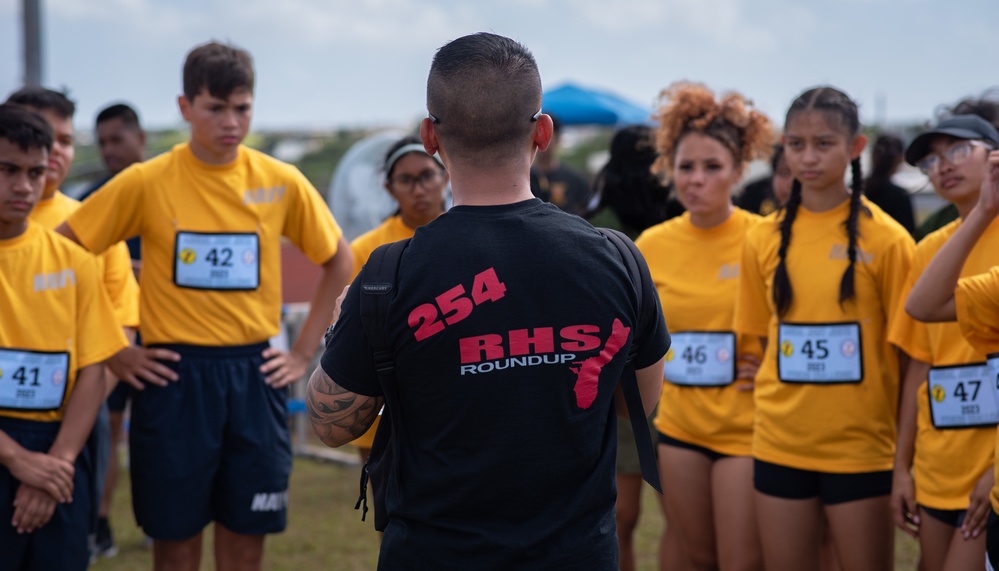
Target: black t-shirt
{"type": "Point", "coordinates": [894, 200]}
{"type": "Point", "coordinates": [510, 326]}
{"type": "Point", "coordinates": [563, 187]}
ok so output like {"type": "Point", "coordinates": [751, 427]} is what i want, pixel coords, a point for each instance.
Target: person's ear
{"type": "Point", "coordinates": [544, 130]}
{"type": "Point", "coordinates": [431, 144]}
{"type": "Point", "coordinates": [429, 136]}
{"type": "Point", "coordinates": [859, 144]}
{"type": "Point", "coordinates": [185, 107]}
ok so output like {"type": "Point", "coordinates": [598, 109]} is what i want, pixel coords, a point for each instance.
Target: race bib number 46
{"type": "Point", "coordinates": [217, 261]}
{"type": "Point", "coordinates": [963, 396]}
{"type": "Point", "coordinates": [32, 381]}
{"type": "Point", "coordinates": [823, 353]}
{"type": "Point", "coordinates": [701, 359]}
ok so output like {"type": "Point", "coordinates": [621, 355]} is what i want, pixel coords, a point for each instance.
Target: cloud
{"type": "Point", "coordinates": [723, 23]}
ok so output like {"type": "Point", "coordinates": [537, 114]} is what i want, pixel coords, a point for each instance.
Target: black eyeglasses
{"type": "Point", "coordinates": [426, 179]}
{"type": "Point", "coordinates": [436, 121]}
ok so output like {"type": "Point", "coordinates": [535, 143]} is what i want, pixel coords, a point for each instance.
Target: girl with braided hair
{"type": "Point", "coordinates": [705, 413]}
{"type": "Point", "coordinates": [820, 281]}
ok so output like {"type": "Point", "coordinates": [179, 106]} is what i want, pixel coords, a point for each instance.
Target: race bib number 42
{"type": "Point", "coordinates": [823, 353]}
{"type": "Point", "coordinates": [963, 396]}
{"type": "Point", "coordinates": [701, 359]}
{"type": "Point", "coordinates": [217, 261]}
{"type": "Point", "coordinates": [32, 381]}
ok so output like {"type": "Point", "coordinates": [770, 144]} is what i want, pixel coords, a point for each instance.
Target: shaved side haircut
{"type": "Point", "coordinates": [483, 92]}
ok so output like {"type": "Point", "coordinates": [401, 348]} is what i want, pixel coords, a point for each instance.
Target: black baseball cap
{"type": "Point", "coordinates": [959, 126]}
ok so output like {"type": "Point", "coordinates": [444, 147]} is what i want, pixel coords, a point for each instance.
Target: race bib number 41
{"type": "Point", "coordinates": [701, 359]}
{"type": "Point", "coordinates": [963, 396]}
{"type": "Point", "coordinates": [217, 261]}
{"type": "Point", "coordinates": [823, 353]}
{"type": "Point", "coordinates": [32, 381]}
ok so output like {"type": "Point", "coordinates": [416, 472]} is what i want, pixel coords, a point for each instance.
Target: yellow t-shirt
{"type": "Point", "coordinates": [211, 241]}
{"type": "Point", "coordinates": [947, 463]}
{"type": "Point", "coordinates": [392, 230]}
{"type": "Point", "coordinates": [115, 264]}
{"type": "Point", "coordinates": [977, 301]}
{"type": "Point", "coordinates": [51, 301]}
{"type": "Point", "coordinates": [836, 428]}
{"type": "Point", "coordinates": [696, 273]}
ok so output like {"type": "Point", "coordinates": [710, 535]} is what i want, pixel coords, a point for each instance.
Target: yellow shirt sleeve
{"type": "Point", "coordinates": [99, 335]}
{"type": "Point", "coordinates": [977, 302]}
{"type": "Point", "coordinates": [310, 225]}
{"type": "Point", "coordinates": [752, 304]}
{"type": "Point", "coordinates": [112, 214]}
{"type": "Point", "coordinates": [119, 281]}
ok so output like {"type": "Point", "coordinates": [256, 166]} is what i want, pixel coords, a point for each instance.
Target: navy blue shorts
{"type": "Point", "coordinates": [62, 542]}
{"type": "Point", "coordinates": [119, 396]}
{"type": "Point", "coordinates": [213, 446]}
{"type": "Point", "coordinates": [794, 484]}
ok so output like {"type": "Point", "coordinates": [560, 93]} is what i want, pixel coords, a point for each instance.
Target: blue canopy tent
{"type": "Point", "coordinates": [575, 105]}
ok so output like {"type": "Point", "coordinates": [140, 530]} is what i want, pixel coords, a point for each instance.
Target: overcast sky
{"type": "Point", "coordinates": [332, 63]}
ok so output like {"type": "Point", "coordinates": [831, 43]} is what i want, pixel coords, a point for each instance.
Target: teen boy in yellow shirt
{"type": "Point", "coordinates": [209, 435]}
{"type": "Point", "coordinates": [56, 329]}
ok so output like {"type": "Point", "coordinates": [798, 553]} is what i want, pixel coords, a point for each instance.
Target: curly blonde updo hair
{"type": "Point", "coordinates": [692, 108]}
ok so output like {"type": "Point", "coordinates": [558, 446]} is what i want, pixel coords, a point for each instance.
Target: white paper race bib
{"type": "Point", "coordinates": [963, 396]}
{"type": "Point", "coordinates": [32, 380]}
{"type": "Point", "coordinates": [701, 358]}
{"type": "Point", "coordinates": [823, 353]}
{"type": "Point", "coordinates": [217, 261]}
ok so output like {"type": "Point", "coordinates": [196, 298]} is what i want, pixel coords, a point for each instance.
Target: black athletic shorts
{"type": "Point", "coordinates": [711, 454]}
{"type": "Point", "coordinates": [213, 446]}
{"type": "Point", "coordinates": [62, 542]}
{"type": "Point", "coordinates": [794, 484]}
{"type": "Point", "coordinates": [953, 518]}
{"type": "Point", "coordinates": [992, 541]}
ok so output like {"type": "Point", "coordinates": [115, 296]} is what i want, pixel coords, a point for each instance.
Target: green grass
{"type": "Point", "coordinates": [324, 531]}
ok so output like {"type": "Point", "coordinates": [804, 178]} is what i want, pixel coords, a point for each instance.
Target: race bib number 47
{"type": "Point", "coordinates": [824, 353]}
{"type": "Point", "coordinates": [217, 261]}
{"type": "Point", "coordinates": [32, 381]}
{"type": "Point", "coordinates": [963, 396]}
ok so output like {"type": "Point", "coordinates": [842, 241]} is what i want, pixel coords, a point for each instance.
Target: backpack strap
{"type": "Point", "coordinates": [639, 273]}
{"type": "Point", "coordinates": [377, 285]}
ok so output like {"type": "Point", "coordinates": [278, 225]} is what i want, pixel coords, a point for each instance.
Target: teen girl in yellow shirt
{"type": "Point", "coordinates": [819, 282]}
{"type": "Point", "coordinates": [705, 412]}
{"type": "Point", "coordinates": [941, 295]}
{"type": "Point", "coordinates": [947, 414]}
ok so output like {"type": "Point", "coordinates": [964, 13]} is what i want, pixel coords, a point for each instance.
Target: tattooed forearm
{"type": "Point", "coordinates": [338, 415]}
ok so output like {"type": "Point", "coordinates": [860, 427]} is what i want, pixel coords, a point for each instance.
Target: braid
{"type": "Point", "coordinates": [846, 285]}
{"type": "Point", "coordinates": [782, 291]}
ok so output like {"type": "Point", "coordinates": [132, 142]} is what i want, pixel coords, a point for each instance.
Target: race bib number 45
{"type": "Point", "coordinates": [32, 381]}
{"type": "Point", "coordinates": [217, 261]}
{"type": "Point", "coordinates": [963, 396]}
{"type": "Point", "coordinates": [701, 359]}
{"type": "Point", "coordinates": [823, 353]}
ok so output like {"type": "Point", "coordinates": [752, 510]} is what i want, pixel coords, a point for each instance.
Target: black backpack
{"type": "Point", "coordinates": [380, 276]}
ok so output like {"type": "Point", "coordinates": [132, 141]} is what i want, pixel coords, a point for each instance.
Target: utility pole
{"type": "Point", "coordinates": [32, 42]}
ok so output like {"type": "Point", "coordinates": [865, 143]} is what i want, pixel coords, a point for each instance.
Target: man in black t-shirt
{"type": "Point", "coordinates": [510, 324]}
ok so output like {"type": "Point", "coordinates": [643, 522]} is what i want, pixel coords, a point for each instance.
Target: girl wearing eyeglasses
{"type": "Point", "coordinates": [947, 411]}
{"type": "Point", "coordinates": [417, 182]}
